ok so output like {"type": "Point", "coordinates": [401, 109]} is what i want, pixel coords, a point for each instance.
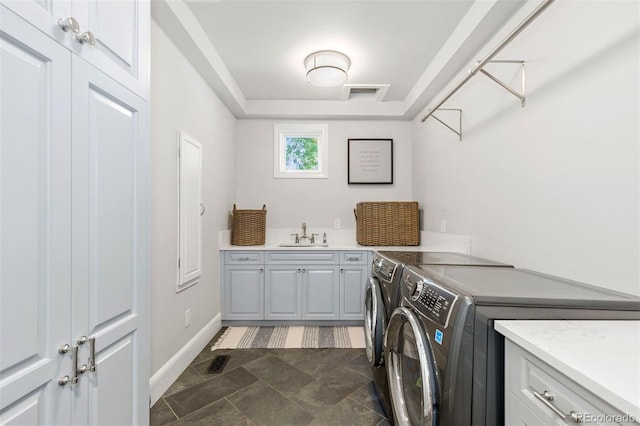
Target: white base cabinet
{"type": "Point", "coordinates": [294, 285]}
{"type": "Point", "coordinates": [538, 394]}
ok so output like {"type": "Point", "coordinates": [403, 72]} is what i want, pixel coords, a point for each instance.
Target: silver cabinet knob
{"type": "Point", "coordinates": [83, 369]}
{"type": "Point", "coordinates": [69, 24]}
{"type": "Point", "coordinates": [63, 380]}
{"type": "Point", "coordinates": [86, 38]}
{"type": "Point", "coordinates": [82, 340]}
{"type": "Point", "coordinates": [63, 349]}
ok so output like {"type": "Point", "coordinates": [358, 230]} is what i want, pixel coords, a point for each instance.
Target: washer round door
{"type": "Point", "coordinates": [374, 323]}
{"type": "Point", "coordinates": [411, 371]}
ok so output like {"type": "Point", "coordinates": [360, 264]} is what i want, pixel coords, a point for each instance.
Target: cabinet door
{"type": "Point", "coordinates": [283, 293]}
{"type": "Point", "coordinates": [120, 27]}
{"type": "Point", "coordinates": [35, 247]}
{"type": "Point", "coordinates": [109, 241]}
{"type": "Point", "coordinates": [353, 280]}
{"type": "Point", "coordinates": [44, 14]}
{"type": "Point", "coordinates": [121, 30]}
{"type": "Point", "coordinates": [243, 292]}
{"type": "Point", "coordinates": [320, 298]}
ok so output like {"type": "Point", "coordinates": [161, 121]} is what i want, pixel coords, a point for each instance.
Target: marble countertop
{"type": "Point", "coordinates": [602, 356]}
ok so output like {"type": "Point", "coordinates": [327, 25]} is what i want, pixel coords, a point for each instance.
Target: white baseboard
{"type": "Point", "coordinates": [169, 372]}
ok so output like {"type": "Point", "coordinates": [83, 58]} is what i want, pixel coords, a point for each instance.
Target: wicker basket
{"type": "Point", "coordinates": [248, 227]}
{"type": "Point", "coordinates": [388, 223]}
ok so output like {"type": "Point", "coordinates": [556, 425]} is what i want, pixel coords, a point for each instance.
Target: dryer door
{"type": "Point", "coordinates": [410, 370]}
{"type": "Point", "coordinates": [374, 323]}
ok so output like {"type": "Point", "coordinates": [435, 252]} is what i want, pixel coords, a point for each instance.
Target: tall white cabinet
{"type": "Point", "coordinates": [74, 154]}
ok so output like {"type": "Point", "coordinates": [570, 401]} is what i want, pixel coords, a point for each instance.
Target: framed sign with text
{"type": "Point", "coordinates": [370, 161]}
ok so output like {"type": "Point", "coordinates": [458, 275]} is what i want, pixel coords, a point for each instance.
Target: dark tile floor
{"type": "Point", "coordinates": [274, 387]}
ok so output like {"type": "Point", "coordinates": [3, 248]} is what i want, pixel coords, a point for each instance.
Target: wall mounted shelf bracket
{"type": "Point", "coordinates": [479, 67]}
{"type": "Point", "coordinates": [457, 132]}
{"type": "Point", "coordinates": [521, 96]}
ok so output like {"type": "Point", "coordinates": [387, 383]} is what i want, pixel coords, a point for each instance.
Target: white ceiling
{"type": "Point", "coordinates": [251, 52]}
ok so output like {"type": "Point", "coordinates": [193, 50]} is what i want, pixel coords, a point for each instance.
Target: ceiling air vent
{"type": "Point", "coordinates": [372, 92]}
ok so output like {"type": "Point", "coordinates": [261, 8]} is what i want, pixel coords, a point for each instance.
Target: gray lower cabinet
{"type": "Point", "coordinates": [302, 285]}
{"type": "Point", "coordinates": [354, 271]}
{"type": "Point", "coordinates": [295, 285]}
{"type": "Point", "coordinates": [320, 293]}
{"type": "Point", "coordinates": [283, 293]}
{"type": "Point", "coordinates": [243, 288]}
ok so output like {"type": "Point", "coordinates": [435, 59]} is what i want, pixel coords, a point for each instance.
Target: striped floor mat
{"type": "Point", "coordinates": [291, 337]}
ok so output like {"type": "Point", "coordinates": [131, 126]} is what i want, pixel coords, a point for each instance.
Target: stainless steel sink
{"type": "Point", "coordinates": [303, 245]}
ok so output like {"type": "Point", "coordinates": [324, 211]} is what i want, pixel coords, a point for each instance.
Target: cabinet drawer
{"type": "Point", "coordinates": [243, 257]}
{"type": "Point", "coordinates": [527, 376]}
{"type": "Point", "coordinates": [353, 258]}
{"type": "Point", "coordinates": [302, 257]}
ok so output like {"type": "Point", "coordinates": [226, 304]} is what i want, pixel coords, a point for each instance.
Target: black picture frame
{"type": "Point", "coordinates": [370, 161]}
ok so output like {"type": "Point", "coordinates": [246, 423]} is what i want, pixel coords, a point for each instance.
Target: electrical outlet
{"type": "Point", "coordinates": [187, 318]}
{"type": "Point", "coordinates": [336, 223]}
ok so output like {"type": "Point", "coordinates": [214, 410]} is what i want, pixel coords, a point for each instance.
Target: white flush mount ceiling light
{"type": "Point", "coordinates": [327, 68]}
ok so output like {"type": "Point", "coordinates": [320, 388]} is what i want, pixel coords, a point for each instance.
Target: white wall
{"type": "Point", "coordinates": [316, 201]}
{"type": "Point", "coordinates": [554, 186]}
{"type": "Point", "coordinates": [181, 100]}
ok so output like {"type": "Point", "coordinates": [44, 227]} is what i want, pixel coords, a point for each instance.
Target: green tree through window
{"type": "Point", "coordinates": [302, 153]}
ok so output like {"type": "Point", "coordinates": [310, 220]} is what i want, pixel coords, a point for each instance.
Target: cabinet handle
{"type": "Point", "coordinates": [299, 270]}
{"type": "Point", "coordinates": [63, 380]}
{"type": "Point", "coordinates": [546, 397]}
{"type": "Point", "coordinates": [74, 365]}
{"type": "Point", "coordinates": [304, 271]}
{"type": "Point", "coordinates": [86, 37]}
{"type": "Point", "coordinates": [69, 24]}
{"type": "Point", "coordinates": [341, 271]}
{"type": "Point", "coordinates": [261, 270]}
{"type": "Point", "coordinates": [92, 354]}
{"type": "Point", "coordinates": [352, 259]}
{"type": "Point", "coordinates": [243, 259]}
{"type": "Point", "coordinates": [63, 349]}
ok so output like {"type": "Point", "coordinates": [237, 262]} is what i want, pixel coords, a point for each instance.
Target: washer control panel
{"type": "Point", "coordinates": [434, 301]}
{"type": "Point", "coordinates": [384, 268]}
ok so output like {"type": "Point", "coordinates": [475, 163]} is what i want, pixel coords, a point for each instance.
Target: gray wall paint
{"type": "Point", "coordinates": [553, 186]}
{"type": "Point", "coordinates": [316, 201]}
{"type": "Point", "coordinates": [181, 100]}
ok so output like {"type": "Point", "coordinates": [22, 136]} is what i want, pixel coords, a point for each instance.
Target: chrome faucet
{"type": "Point", "coordinates": [304, 236]}
{"type": "Point", "coordinates": [304, 233]}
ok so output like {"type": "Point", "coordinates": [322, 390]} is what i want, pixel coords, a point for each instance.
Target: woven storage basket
{"type": "Point", "coordinates": [387, 223]}
{"type": "Point", "coordinates": [248, 227]}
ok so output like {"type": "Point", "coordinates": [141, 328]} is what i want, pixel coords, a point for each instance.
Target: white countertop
{"type": "Point", "coordinates": [338, 246]}
{"type": "Point", "coordinates": [345, 239]}
{"type": "Point", "coordinates": [601, 356]}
